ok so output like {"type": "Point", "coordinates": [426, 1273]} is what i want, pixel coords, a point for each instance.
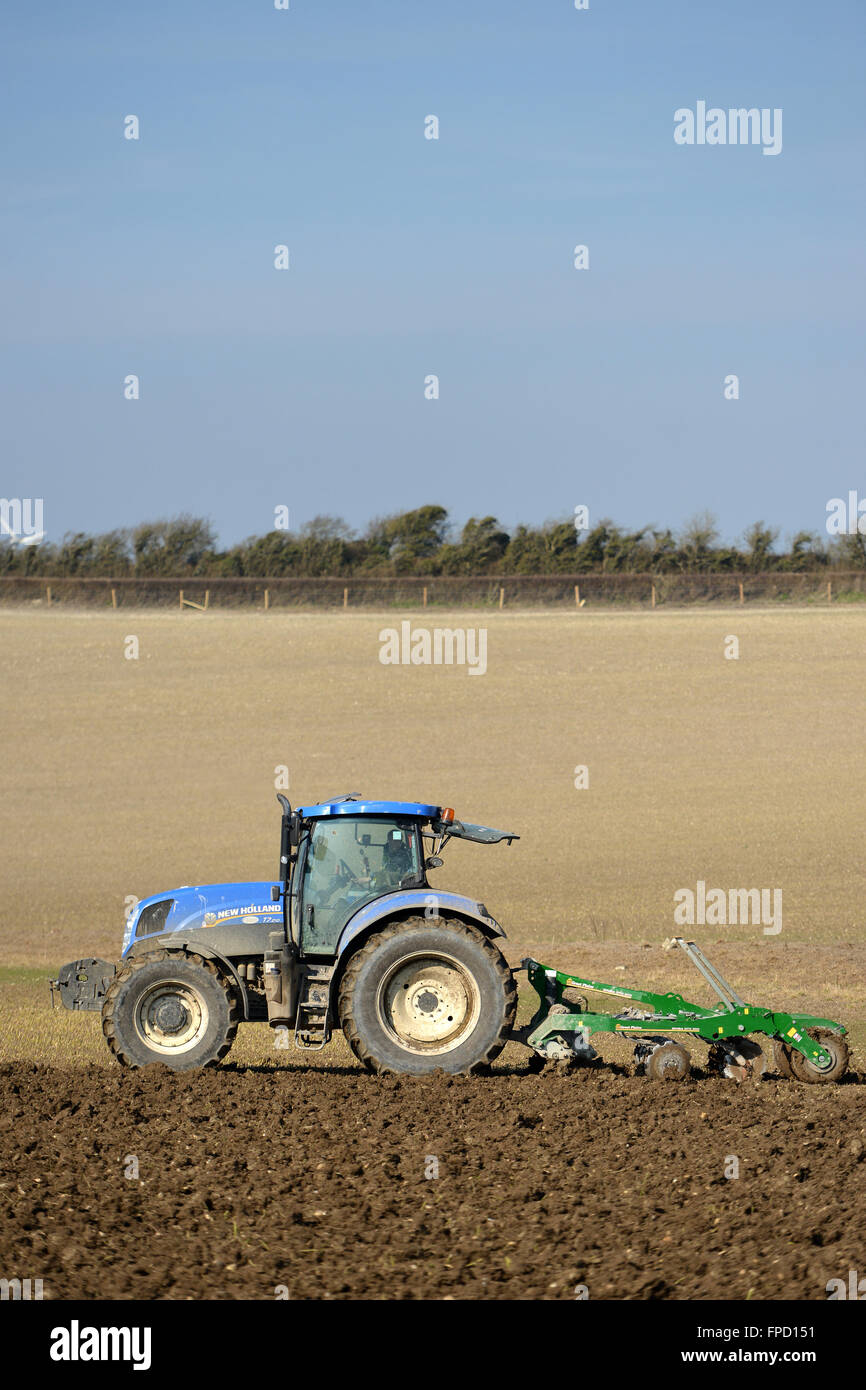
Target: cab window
{"type": "Point", "coordinates": [349, 862]}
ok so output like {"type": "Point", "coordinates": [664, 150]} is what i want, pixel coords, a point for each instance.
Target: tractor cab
{"type": "Point", "coordinates": [347, 861]}
{"type": "Point", "coordinates": [351, 852]}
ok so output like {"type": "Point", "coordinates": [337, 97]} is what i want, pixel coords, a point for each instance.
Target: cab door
{"type": "Point", "coordinates": [350, 860]}
{"type": "Point", "coordinates": [331, 886]}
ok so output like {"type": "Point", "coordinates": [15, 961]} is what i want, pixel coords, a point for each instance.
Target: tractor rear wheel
{"type": "Point", "coordinates": [425, 995]}
{"type": "Point", "coordinates": [169, 1007]}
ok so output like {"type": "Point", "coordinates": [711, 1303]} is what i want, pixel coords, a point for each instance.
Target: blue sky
{"type": "Point", "coordinates": [412, 256]}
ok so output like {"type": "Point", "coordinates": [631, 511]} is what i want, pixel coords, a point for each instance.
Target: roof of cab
{"type": "Point", "coordinates": [371, 808]}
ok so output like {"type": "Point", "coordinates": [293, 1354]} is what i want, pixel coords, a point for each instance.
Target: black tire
{"type": "Point", "coordinates": [169, 1007]}
{"type": "Point", "coordinates": [804, 1070]}
{"type": "Point", "coordinates": [426, 995]}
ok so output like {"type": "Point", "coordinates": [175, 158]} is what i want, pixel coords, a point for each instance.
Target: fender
{"type": "Point", "coordinates": [410, 901]}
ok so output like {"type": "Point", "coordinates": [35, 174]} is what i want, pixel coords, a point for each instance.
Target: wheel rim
{"type": "Point", "coordinates": [171, 1017]}
{"type": "Point", "coordinates": [802, 1066]}
{"type": "Point", "coordinates": [428, 1003]}
{"type": "Point", "coordinates": [831, 1047]}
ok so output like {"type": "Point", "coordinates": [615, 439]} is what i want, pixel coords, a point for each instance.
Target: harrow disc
{"type": "Point", "coordinates": [670, 1062]}
{"type": "Point", "coordinates": [738, 1059]}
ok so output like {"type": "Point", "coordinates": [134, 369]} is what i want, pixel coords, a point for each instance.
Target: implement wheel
{"type": "Point", "coordinates": [670, 1062]}
{"type": "Point", "coordinates": [804, 1070]}
{"type": "Point", "coordinates": [423, 995]}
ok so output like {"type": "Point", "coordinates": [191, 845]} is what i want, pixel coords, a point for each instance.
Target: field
{"type": "Point", "coordinates": [127, 776]}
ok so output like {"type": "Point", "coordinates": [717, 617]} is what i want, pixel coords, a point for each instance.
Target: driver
{"type": "Point", "coordinates": [342, 878]}
{"type": "Point", "coordinates": [396, 862]}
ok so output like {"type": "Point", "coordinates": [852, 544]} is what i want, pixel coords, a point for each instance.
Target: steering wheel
{"type": "Point", "coordinates": [342, 875]}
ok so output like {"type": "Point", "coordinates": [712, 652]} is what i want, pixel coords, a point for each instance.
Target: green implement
{"type": "Point", "coordinates": [806, 1048]}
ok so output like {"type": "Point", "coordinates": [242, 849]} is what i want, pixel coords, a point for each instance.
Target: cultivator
{"type": "Point", "coordinates": [805, 1047]}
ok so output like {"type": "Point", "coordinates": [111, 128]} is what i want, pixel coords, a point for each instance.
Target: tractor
{"type": "Point", "coordinates": [352, 935]}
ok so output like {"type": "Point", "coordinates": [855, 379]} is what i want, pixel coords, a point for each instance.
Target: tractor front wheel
{"type": "Point", "coordinates": [426, 995]}
{"type": "Point", "coordinates": [169, 1007]}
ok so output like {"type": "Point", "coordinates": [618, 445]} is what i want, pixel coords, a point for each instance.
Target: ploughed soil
{"type": "Point", "coordinates": [329, 1183]}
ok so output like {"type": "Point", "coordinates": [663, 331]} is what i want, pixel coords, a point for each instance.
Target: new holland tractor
{"type": "Point", "coordinates": [352, 935]}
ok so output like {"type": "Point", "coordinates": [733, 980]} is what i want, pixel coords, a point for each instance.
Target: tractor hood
{"type": "Point", "coordinates": [234, 905]}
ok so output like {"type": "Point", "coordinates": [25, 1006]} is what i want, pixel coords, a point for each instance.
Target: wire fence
{"type": "Point", "coordinates": [488, 591]}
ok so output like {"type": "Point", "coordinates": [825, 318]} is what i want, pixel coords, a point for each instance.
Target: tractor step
{"type": "Point", "coordinates": [312, 1023]}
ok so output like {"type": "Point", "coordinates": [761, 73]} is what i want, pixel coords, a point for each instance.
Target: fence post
{"type": "Point", "coordinates": [577, 595]}
{"type": "Point", "coordinates": [345, 598]}
{"type": "Point", "coordinates": [424, 601]}
{"type": "Point", "coordinates": [180, 599]}
{"type": "Point", "coordinates": [742, 595]}
{"type": "Point", "coordinates": [48, 594]}
{"type": "Point", "coordinates": [653, 597]}
{"type": "Point", "coordinates": [114, 598]}
{"type": "Point", "coordinates": [501, 597]}
{"type": "Point", "coordinates": [829, 591]}
{"type": "Point", "coordinates": [206, 598]}
{"type": "Point", "coordinates": [267, 599]}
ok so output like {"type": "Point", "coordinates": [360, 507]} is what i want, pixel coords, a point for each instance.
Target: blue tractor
{"type": "Point", "coordinates": [350, 935]}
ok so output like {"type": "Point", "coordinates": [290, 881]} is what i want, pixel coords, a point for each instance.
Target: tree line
{"type": "Point", "coordinates": [424, 542]}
